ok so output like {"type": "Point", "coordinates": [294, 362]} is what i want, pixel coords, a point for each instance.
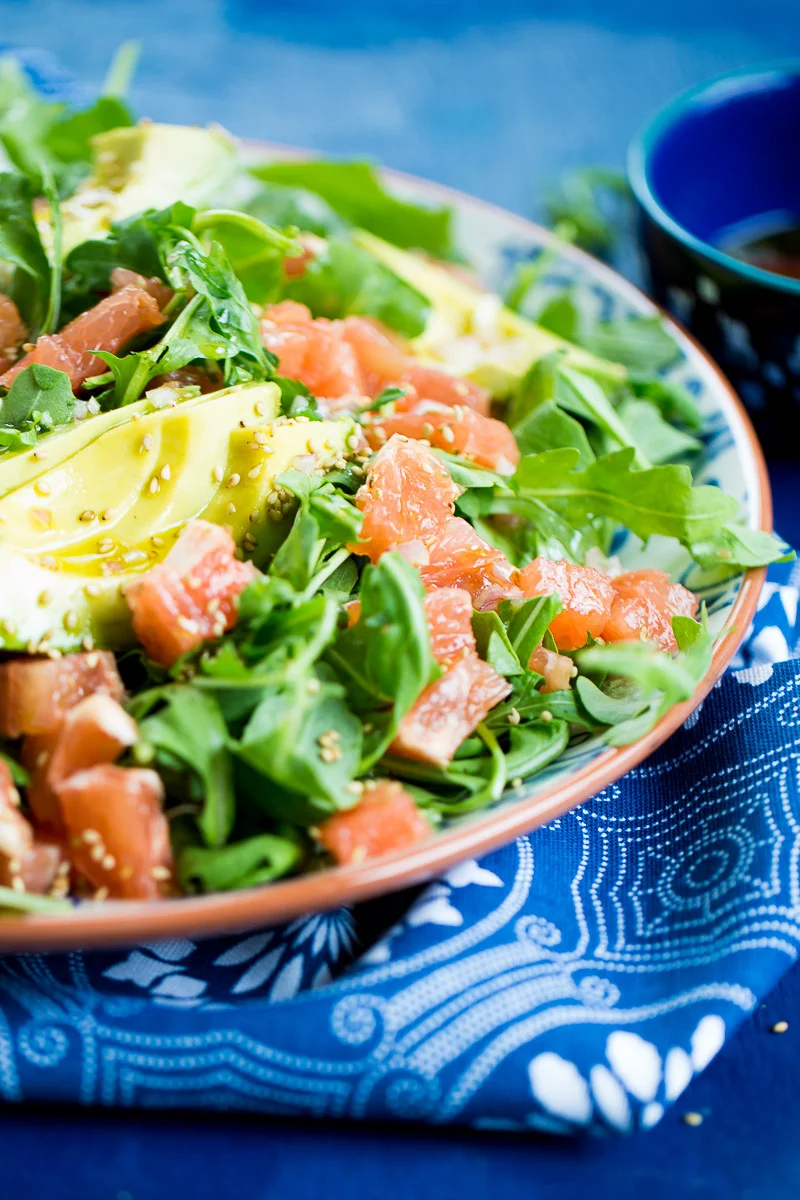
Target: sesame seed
{"type": "Point", "coordinates": [88, 515]}
{"type": "Point", "coordinates": [254, 516]}
{"type": "Point", "coordinates": [104, 545]}
{"type": "Point", "coordinates": [275, 514]}
{"type": "Point", "coordinates": [212, 606]}
{"type": "Point", "coordinates": [42, 487]}
{"type": "Point", "coordinates": [92, 660]}
{"type": "Point", "coordinates": [158, 872]}
{"type": "Point", "coordinates": [313, 686]}
{"type": "Point", "coordinates": [692, 1118]}
{"type": "Point", "coordinates": [513, 717]}
{"type": "Point", "coordinates": [92, 589]}
{"type": "Point", "coordinates": [260, 437]}
{"type": "Point", "coordinates": [147, 442]}
{"type": "Point", "coordinates": [355, 787]}
{"type": "Point", "coordinates": [88, 644]}
{"type": "Point", "coordinates": [233, 480]}
{"type": "Point", "coordinates": [165, 471]}
{"type": "Point", "coordinates": [70, 620]}
{"type": "Point", "coordinates": [259, 408]}
{"type": "Point", "coordinates": [447, 433]}
{"type": "Point", "coordinates": [39, 455]}
{"type": "Point", "coordinates": [780, 1027]}
{"type": "Point", "coordinates": [14, 866]}
{"type": "Point", "coordinates": [155, 486]}
{"type": "Point", "coordinates": [547, 715]}
{"type": "Point", "coordinates": [427, 429]}
{"type": "Point", "coordinates": [573, 672]}
{"type": "Point", "coordinates": [254, 472]}
{"type": "Point", "coordinates": [48, 560]}
{"type": "Point", "coordinates": [517, 782]}
{"type": "Point", "coordinates": [44, 598]}
{"type": "Point", "coordinates": [53, 654]}
{"type": "Point", "coordinates": [108, 863]}
{"type": "Point", "coordinates": [136, 416]}
{"type": "Point", "coordinates": [18, 884]}
{"type": "Point", "coordinates": [231, 509]}
{"type": "Point", "coordinates": [188, 625]}
{"type": "Point", "coordinates": [32, 647]}
{"type": "Point", "coordinates": [97, 853]}
{"type": "Point", "coordinates": [101, 894]}
{"type": "Point", "coordinates": [156, 540]}
{"type": "Point", "coordinates": [91, 837]}
{"type": "Point", "coordinates": [106, 514]}
{"type": "Point", "coordinates": [217, 474]}
{"type": "Point", "coordinates": [358, 855]}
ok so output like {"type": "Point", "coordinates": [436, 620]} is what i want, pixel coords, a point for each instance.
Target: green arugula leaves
{"type": "Point", "coordinates": [354, 192]}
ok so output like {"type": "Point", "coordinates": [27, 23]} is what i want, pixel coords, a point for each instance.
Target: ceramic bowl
{"type": "Point", "coordinates": [495, 241]}
{"type": "Point", "coordinates": [723, 158]}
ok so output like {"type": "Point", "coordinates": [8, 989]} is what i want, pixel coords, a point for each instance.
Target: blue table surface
{"type": "Point", "coordinates": [496, 99]}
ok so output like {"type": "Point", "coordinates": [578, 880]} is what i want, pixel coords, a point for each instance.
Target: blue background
{"type": "Point", "coordinates": [497, 99]}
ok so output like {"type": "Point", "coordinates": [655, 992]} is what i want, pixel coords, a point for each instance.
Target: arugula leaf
{"type": "Point", "coordinates": [527, 622]}
{"type": "Point", "coordinates": [18, 774]}
{"type": "Point", "coordinates": [548, 427]}
{"type": "Point", "coordinates": [580, 200]}
{"type": "Point", "coordinates": [255, 251]}
{"type": "Point", "coordinates": [248, 863]}
{"type": "Point", "coordinates": [190, 728]}
{"type": "Point", "coordinates": [385, 659]}
{"type": "Point", "coordinates": [41, 137]}
{"type": "Point", "coordinates": [282, 741]}
{"type": "Point", "coordinates": [355, 192]}
{"type": "Point", "coordinates": [736, 547]}
{"type": "Point", "coordinates": [38, 392]}
{"type": "Point", "coordinates": [21, 247]}
{"type": "Point", "coordinates": [283, 206]}
{"type": "Point", "coordinates": [673, 400]}
{"type": "Point", "coordinates": [662, 679]}
{"type": "Point", "coordinates": [494, 644]}
{"type": "Point", "coordinates": [296, 399]}
{"type": "Point", "coordinates": [584, 397]}
{"type": "Point", "coordinates": [659, 440]}
{"type": "Point", "coordinates": [640, 343]}
{"type": "Point", "coordinates": [660, 500]}
{"type": "Point", "coordinates": [345, 279]}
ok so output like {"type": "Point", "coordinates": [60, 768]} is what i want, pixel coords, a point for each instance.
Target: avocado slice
{"type": "Point", "coordinates": [24, 467]}
{"type": "Point", "coordinates": [137, 479]}
{"type": "Point", "coordinates": [473, 335]}
{"type": "Point", "coordinates": [60, 593]}
{"type": "Point", "coordinates": [146, 166]}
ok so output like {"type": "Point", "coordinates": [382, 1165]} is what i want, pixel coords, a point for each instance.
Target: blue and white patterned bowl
{"type": "Point", "coordinates": [495, 240]}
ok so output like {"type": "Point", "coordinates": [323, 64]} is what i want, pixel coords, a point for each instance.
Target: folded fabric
{"type": "Point", "coordinates": [576, 979]}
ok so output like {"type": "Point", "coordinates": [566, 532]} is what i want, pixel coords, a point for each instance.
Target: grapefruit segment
{"type": "Point", "coordinates": [461, 558]}
{"type": "Point", "coordinates": [118, 834]}
{"type": "Point", "coordinates": [12, 328]}
{"type": "Point", "coordinates": [108, 326]}
{"type": "Point", "coordinates": [314, 352]}
{"type": "Point", "coordinates": [457, 429]}
{"type": "Point", "coordinates": [586, 596]}
{"type": "Point", "coordinates": [643, 607]}
{"type": "Point", "coordinates": [191, 596]}
{"type": "Point", "coordinates": [96, 731]}
{"type": "Point", "coordinates": [449, 613]}
{"type": "Point", "coordinates": [407, 498]}
{"type": "Point", "coordinates": [555, 668]}
{"type": "Point", "coordinates": [36, 692]}
{"type": "Point", "coordinates": [385, 819]}
{"type": "Point", "coordinates": [448, 711]}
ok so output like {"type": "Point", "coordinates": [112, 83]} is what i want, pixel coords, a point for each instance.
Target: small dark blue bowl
{"type": "Point", "coordinates": [725, 157]}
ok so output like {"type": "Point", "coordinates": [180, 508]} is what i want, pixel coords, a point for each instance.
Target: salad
{"type": "Point", "coordinates": [306, 541]}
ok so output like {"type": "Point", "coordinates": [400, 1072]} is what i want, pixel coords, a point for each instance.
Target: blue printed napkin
{"type": "Point", "coordinates": [576, 979]}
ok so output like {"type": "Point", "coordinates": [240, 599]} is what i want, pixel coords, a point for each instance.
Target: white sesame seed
{"type": "Point", "coordinates": [147, 442]}
{"type": "Point", "coordinates": [87, 515]}
{"type": "Point", "coordinates": [165, 471]}
{"type": "Point", "coordinates": [97, 852]}
{"type": "Point", "coordinates": [44, 598]}
{"type": "Point", "coordinates": [70, 620]}
{"type": "Point", "coordinates": [154, 486]}
{"type": "Point", "coordinates": [42, 487]}
{"type": "Point", "coordinates": [254, 472]}
{"type": "Point", "coordinates": [233, 480]}
{"type": "Point", "coordinates": [547, 716]}
{"type": "Point", "coordinates": [513, 717]}
{"type": "Point", "coordinates": [108, 863]}
{"type": "Point", "coordinates": [158, 872]}
{"type": "Point", "coordinates": [217, 474]}
{"type": "Point", "coordinates": [231, 509]}
{"type": "Point", "coordinates": [91, 837]}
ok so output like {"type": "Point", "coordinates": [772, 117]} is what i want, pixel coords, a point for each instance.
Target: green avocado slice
{"type": "Point", "coordinates": [137, 479]}
{"type": "Point", "coordinates": [57, 596]}
{"type": "Point", "coordinates": [472, 334]}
